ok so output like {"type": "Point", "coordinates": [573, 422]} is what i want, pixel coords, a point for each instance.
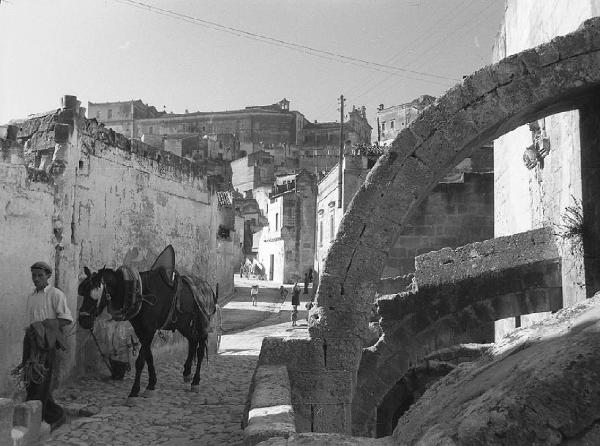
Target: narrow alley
{"type": "Point", "coordinates": [174, 415]}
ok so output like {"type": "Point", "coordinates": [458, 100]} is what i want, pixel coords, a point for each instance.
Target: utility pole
{"type": "Point", "coordinates": [341, 154]}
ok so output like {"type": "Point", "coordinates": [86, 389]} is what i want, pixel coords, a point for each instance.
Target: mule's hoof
{"type": "Point", "coordinates": [148, 393]}
{"type": "Point", "coordinates": [132, 401]}
{"type": "Point", "coordinates": [187, 378]}
{"type": "Point", "coordinates": [195, 389]}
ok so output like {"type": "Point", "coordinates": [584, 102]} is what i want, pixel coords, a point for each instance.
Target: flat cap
{"type": "Point", "coordinates": [42, 265]}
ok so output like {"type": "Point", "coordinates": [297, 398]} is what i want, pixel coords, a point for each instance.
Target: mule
{"type": "Point", "coordinates": [152, 300]}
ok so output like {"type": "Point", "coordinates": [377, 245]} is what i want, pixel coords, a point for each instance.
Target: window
{"type": "Point", "coordinates": [109, 113]}
{"type": "Point", "coordinates": [320, 232]}
{"type": "Point", "coordinates": [150, 130]}
{"type": "Point", "coordinates": [332, 227]}
{"type": "Point", "coordinates": [392, 124]}
{"type": "Point", "coordinates": [276, 221]}
{"type": "Point", "coordinates": [383, 126]}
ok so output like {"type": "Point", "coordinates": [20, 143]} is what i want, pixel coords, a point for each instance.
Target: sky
{"type": "Point", "coordinates": [171, 57]}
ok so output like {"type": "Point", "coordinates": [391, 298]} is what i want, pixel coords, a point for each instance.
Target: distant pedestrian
{"type": "Point", "coordinates": [308, 306]}
{"type": "Point", "coordinates": [283, 292]}
{"type": "Point", "coordinates": [254, 294]}
{"type": "Point", "coordinates": [305, 283]}
{"type": "Point", "coordinates": [296, 296]}
{"type": "Point", "coordinates": [310, 275]}
{"type": "Point", "coordinates": [294, 317]}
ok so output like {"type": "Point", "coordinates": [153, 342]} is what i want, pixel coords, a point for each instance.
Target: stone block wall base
{"type": "Point", "coordinates": [7, 407]}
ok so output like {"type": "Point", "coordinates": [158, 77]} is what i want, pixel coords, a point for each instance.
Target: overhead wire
{"type": "Point", "coordinates": [397, 71]}
{"type": "Point", "coordinates": [414, 44]}
{"type": "Point", "coordinates": [425, 52]}
{"type": "Point", "coordinates": [456, 32]}
{"type": "Point", "coordinates": [361, 82]}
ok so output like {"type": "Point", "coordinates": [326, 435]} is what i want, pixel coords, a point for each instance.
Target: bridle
{"type": "Point", "coordinates": [106, 296]}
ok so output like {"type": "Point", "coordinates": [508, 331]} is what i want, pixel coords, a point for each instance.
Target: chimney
{"type": "Point", "coordinates": [380, 107]}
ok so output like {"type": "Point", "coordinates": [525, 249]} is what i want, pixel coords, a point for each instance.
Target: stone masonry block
{"type": "Point", "coordinates": [296, 354]}
{"type": "Point", "coordinates": [271, 413]}
{"type": "Point", "coordinates": [336, 322]}
{"type": "Point", "coordinates": [329, 387]}
{"type": "Point", "coordinates": [403, 145]}
{"type": "Point", "coordinates": [272, 387]}
{"type": "Point", "coordinates": [332, 418]}
{"type": "Point", "coordinates": [303, 416]}
{"type": "Point", "coordinates": [269, 422]}
{"type": "Point", "coordinates": [448, 265]}
{"type": "Point", "coordinates": [7, 407]}
{"type": "Point", "coordinates": [343, 353]}
{"type": "Point", "coordinates": [29, 415]}
{"type": "Point", "coordinates": [479, 83]}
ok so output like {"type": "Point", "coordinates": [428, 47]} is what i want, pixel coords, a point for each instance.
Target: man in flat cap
{"type": "Point", "coordinates": [47, 313]}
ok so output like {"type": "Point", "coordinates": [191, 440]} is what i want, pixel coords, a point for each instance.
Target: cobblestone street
{"type": "Point", "coordinates": [174, 415]}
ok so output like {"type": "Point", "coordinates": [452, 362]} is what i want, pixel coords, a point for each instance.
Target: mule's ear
{"type": "Point", "coordinates": [87, 271]}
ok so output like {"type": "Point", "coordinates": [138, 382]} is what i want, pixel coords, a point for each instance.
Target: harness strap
{"type": "Point", "coordinates": [174, 300]}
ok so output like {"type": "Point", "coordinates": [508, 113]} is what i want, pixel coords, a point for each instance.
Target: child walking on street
{"type": "Point", "coordinates": [294, 317]}
{"type": "Point", "coordinates": [254, 294]}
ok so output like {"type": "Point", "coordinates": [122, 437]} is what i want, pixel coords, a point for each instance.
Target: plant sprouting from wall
{"type": "Point", "coordinates": [573, 228]}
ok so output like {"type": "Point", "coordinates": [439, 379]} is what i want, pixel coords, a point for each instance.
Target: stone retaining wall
{"type": "Point", "coordinates": [269, 412]}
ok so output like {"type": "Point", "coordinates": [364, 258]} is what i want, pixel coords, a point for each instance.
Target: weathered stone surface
{"type": "Point", "coordinates": [461, 293]}
{"type": "Point", "coordinates": [29, 415]}
{"type": "Point", "coordinates": [326, 440]}
{"type": "Point", "coordinates": [450, 265]}
{"type": "Point", "coordinates": [296, 354]}
{"type": "Point", "coordinates": [272, 387]}
{"type": "Point", "coordinates": [539, 387]}
{"type": "Point", "coordinates": [6, 421]}
{"type": "Point", "coordinates": [268, 422]}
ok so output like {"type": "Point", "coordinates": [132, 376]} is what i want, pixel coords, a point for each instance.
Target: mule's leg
{"type": "Point", "coordinates": [139, 366]}
{"type": "Point", "coordinates": [151, 370]}
{"type": "Point", "coordinates": [201, 348]}
{"type": "Point", "coordinates": [187, 366]}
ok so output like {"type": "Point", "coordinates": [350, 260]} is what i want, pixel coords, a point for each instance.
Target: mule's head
{"type": "Point", "coordinates": [93, 290]}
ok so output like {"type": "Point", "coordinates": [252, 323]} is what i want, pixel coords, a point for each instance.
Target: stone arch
{"type": "Point", "coordinates": [405, 392]}
{"type": "Point", "coordinates": [557, 76]}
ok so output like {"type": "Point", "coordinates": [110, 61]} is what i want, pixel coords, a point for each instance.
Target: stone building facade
{"type": "Point", "coordinates": [287, 246]}
{"type": "Point", "coordinates": [252, 171]}
{"type": "Point", "coordinates": [392, 120]}
{"type": "Point", "coordinates": [331, 205]}
{"type": "Point", "coordinates": [75, 194]}
{"type": "Point", "coordinates": [293, 141]}
{"type": "Point", "coordinates": [560, 168]}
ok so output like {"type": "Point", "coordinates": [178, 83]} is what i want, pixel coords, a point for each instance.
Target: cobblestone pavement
{"type": "Point", "coordinates": [174, 415]}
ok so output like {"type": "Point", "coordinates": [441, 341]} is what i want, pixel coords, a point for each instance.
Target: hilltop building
{"type": "Point", "coordinates": [391, 120]}
{"type": "Point", "coordinates": [228, 135]}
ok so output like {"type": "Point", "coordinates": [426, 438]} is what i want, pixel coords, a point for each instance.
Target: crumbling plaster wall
{"type": "Point", "coordinates": [26, 235]}
{"type": "Point", "coordinates": [130, 206]}
{"type": "Point", "coordinates": [527, 199]}
{"type": "Point", "coordinates": [104, 201]}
